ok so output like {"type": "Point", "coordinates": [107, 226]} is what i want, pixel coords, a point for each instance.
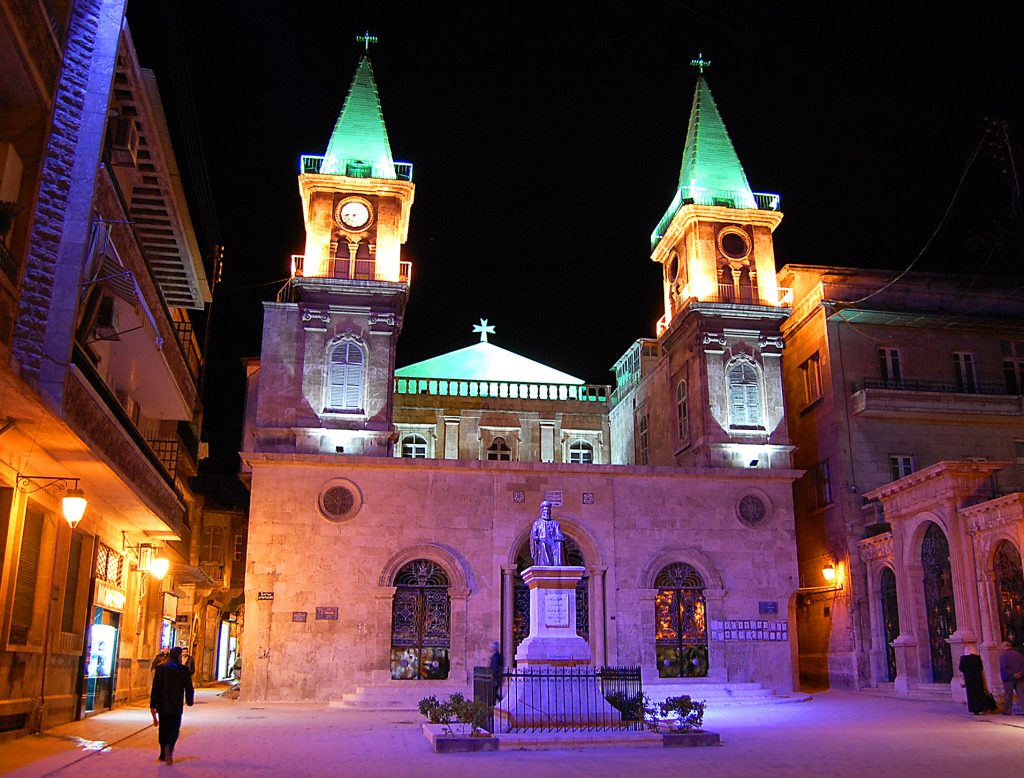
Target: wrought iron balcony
{"type": "Point", "coordinates": [356, 168]}
{"type": "Point", "coordinates": [942, 387]}
{"type": "Point", "coordinates": [7, 264]}
{"type": "Point", "coordinates": [512, 390]}
{"type": "Point", "coordinates": [352, 269]}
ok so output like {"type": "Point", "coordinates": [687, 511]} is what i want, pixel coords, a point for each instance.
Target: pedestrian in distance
{"type": "Point", "coordinates": [1011, 670]}
{"type": "Point", "coordinates": [172, 690]}
{"type": "Point", "coordinates": [159, 659]}
{"type": "Point", "coordinates": [188, 662]}
{"type": "Point", "coordinates": [978, 698]}
{"type": "Point", "coordinates": [497, 665]}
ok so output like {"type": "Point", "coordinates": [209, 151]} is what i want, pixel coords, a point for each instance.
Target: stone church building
{"type": "Point", "coordinates": [781, 489]}
{"type": "Point", "coordinates": [391, 508]}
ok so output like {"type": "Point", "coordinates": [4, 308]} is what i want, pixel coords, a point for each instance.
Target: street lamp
{"type": "Point", "coordinates": [73, 503]}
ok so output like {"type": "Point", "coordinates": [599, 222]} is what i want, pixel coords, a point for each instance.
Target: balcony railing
{"type": "Point", "coordinates": [355, 168]}
{"type": "Point", "coordinates": [699, 195]}
{"type": "Point", "coordinates": [189, 347]}
{"type": "Point", "coordinates": [728, 293]}
{"type": "Point", "coordinates": [941, 387]}
{"type": "Point", "coordinates": [352, 269]}
{"type": "Point", "coordinates": [512, 390]}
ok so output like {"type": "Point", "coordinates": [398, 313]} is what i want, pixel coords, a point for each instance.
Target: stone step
{"type": "Point", "coordinates": [933, 692]}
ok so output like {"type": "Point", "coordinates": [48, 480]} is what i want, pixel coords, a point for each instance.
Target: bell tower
{"type": "Point", "coordinates": [328, 359]}
{"type": "Point", "coordinates": [714, 397]}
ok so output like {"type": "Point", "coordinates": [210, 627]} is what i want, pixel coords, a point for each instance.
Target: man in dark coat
{"type": "Point", "coordinates": [172, 686]}
{"type": "Point", "coordinates": [1011, 670]}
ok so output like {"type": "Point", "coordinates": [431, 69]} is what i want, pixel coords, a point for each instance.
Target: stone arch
{"type": "Point", "coordinates": [698, 560]}
{"type": "Point", "coordinates": [587, 543]}
{"type": "Point", "coordinates": [456, 568]}
{"type": "Point", "coordinates": [914, 535]}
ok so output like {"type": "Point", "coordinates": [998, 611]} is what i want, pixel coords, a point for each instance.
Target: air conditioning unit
{"type": "Point", "coordinates": [107, 319]}
{"type": "Point", "coordinates": [124, 141]}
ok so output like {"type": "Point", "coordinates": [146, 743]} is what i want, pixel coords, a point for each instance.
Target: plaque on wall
{"type": "Point", "coordinates": [264, 595]}
{"type": "Point", "coordinates": [298, 615]}
{"type": "Point", "coordinates": [767, 608]}
{"type": "Point", "coordinates": [556, 609]}
{"type": "Point", "coordinates": [554, 497]}
{"type": "Point", "coordinates": [327, 614]}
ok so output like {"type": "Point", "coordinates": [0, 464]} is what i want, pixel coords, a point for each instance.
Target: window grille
{"type": "Point", "coordinates": [499, 451]}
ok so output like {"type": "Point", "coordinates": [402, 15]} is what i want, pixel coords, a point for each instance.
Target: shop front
{"type": "Point", "coordinates": [101, 648]}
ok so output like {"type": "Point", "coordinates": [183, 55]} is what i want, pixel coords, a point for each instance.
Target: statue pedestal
{"type": "Point", "coordinates": [553, 641]}
{"type": "Point", "coordinates": [549, 693]}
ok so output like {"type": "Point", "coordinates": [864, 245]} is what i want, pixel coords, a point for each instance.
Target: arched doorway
{"type": "Point", "coordinates": [572, 556]}
{"type": "Point", "coordinates": [1009, 580]}
{"type": "Point", "coordinates": [890, 619]}
{"type": "Point", "coordinates": [938, 598]}
{"type": "Point", "coordinates": [420, 622]}
{"type": "Point", "coordinates": [680, 623]}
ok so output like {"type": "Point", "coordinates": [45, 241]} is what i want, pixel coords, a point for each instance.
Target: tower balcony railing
{"type": "Point", "coordinates": [511, 390]}
{"type": "Point", "coordinates": [355, 168]}
{"type": "Point", "coordinates": [352, 269]}
{"type": "Point", "coordinates": [725, 198]}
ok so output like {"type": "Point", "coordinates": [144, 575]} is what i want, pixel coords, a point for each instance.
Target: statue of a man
{"type": "Point", "coordinates": [546, 539]}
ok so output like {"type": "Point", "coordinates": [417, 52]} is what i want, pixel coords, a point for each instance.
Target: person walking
{"type": "Point", "coordinates": [172, 686]}
{"type": "Point", "coordinates": [974, 681]}
{"type": "Point", "coordinates": [1011, 670]}
{"type": "Point", "coordinates": [497, 665]}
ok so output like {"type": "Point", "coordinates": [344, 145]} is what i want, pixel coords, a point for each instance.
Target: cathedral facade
{"type": "Point", "coordinates": [391, 509]}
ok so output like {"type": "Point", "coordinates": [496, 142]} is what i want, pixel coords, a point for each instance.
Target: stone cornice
{"type": "Point", "coordinates": [876, 547]}
{"type": "Point", "coordinates": [992, 514]}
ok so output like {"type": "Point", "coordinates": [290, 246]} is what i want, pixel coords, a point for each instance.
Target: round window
{"type": "Point", "coordinates": [672, 269]}
{"type": "Point", "coordinates": [339, 500]}
{"type": "Point", "coordinates": [734, 243]}
{"type": "Point", "coordinates": [753, 508]}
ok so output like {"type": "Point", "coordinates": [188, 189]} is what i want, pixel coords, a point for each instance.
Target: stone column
{"type": "Point", "coordinates": [597, 615]}
{"type": "Point", "coordinates": [451, 437]}
{"type": "Point", "coordinates": [876, 652]}
{"type": "Point", "coordinates": [905, 646]}
{"type": "Point", "coordinates": [383, 598]}
{"type": "Point", "coordinates": [718, 671]}
{"type": "Point", "coordinates": [460, 668]}
{"type": "Point", "coordinates": [508, 607]}
{"type": "Point", "coordinates": [547, 440]}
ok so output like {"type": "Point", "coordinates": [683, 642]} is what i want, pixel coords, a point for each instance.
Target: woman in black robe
{"type": "Point", "coordinates": [974, 682]}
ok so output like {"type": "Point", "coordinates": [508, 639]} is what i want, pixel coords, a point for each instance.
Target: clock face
{"type": "Point", "coordinates": [353, 213]}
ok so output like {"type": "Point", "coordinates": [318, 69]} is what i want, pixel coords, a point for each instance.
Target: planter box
{"type": "Point", "coordinates": [690, 739]}
{"type": "Point", "coordinates": [459, 744]}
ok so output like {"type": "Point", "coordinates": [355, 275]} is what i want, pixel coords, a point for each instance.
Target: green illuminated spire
{"type": "Point", "coordinates": [711, 173]}
{"type": "Point", "coordinates": [359, 144]}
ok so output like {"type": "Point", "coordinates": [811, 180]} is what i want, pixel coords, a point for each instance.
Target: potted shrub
{"type": "Point", "coordinates": [469, 715]}
{"type": "Point", "coordinates": [682, 718]}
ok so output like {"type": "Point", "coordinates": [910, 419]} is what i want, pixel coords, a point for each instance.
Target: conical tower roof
{"type": "Point", "coordinates": [359, 144]}
{"type": "Point", "coordinates": [711, 173]}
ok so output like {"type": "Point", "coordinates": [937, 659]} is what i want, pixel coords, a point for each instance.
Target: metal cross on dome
{"type": "Point", "coordinates": [484, 329]}
{"type": "Point", "coordinates": [366, 39]}
{"type": "Point", "coordinates": [700, 63]}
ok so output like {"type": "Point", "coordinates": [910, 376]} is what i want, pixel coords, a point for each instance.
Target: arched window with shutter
{"type": "Point", "coordinates": [346, 371]}
{"type": "Point", "coordinates": [744, 385]}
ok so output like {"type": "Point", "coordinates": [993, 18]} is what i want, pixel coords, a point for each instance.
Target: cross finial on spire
{"type": "Point", "coordinates": [484, 329]}
{"type": "Point", "coordinates": [366, 39]}
{"type": "Point", "coordinates": [700, 63]}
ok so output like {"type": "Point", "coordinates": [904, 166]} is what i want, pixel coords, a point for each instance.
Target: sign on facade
{"type": "Point", "coordinates": [327, 614]}
{"type": "Point", "coordinates": [555, 498]}
{"type": "Point", "coordinates": [767, 608]}
{"type": "Point", "coordinates": [264, 595]}
{"type": "Point", "coordinates": [749, 629]}
{"type": "Point", "coordinates": [298, 615]}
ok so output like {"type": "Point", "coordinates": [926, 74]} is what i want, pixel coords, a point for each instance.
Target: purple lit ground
{"type": "Point", "coordinates": [836, 734]}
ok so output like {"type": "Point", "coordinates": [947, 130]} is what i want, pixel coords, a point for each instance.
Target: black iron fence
{"type": "Point", "coordinates": [557, 699]}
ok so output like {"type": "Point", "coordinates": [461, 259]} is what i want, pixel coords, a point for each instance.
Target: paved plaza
{"type": "Point", "coordinates": [835, 734]}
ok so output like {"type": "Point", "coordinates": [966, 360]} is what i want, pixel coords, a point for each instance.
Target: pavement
{"type": "Point", "coordinates": [837, 734]}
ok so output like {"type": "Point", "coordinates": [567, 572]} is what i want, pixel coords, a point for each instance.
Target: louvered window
{"type": "Point", "coordinates": [744, 395]}
{"type": "Point", "coordinates": [28, 572]}
{"type": "Point", "coordinates": [345, 377]}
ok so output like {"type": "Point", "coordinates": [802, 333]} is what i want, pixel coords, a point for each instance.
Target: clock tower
{"type": "Point", "coordinates": [708, 391]}
{"type": "Point", "coordinates": [328, 359]}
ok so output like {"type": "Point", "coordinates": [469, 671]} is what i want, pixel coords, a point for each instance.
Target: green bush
{"type": "Point", "coordinates": [685, 714]}
{"type": "Point", "coordinates": [455, 708]}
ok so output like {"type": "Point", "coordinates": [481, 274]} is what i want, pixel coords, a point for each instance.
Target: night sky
{"type": "Point", "coordinates": [547, 142]}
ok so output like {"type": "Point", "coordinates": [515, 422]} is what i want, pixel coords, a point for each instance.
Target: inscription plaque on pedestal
{"type": "Point", "coordinates": [556, 609]}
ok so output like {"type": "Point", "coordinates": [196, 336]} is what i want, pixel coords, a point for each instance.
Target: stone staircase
{"type": "Point", "coordinates": [925, 692]}
{"type": "Point", "coordinates": [719, 694]}
{"type": "Point", "coordinates": [398, 695]}
{"type": "Point", "coordinates": [405, 695]}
